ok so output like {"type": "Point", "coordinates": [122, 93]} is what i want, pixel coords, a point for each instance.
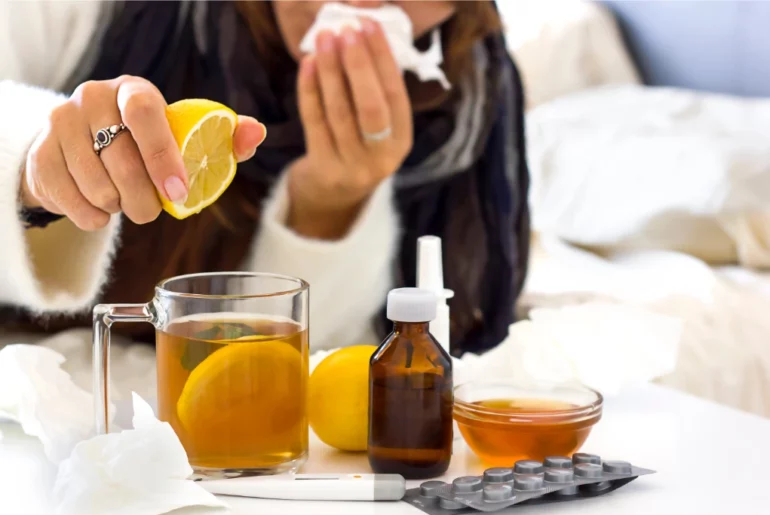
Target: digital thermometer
{"type": "Point", "coordinates": [313, 487]}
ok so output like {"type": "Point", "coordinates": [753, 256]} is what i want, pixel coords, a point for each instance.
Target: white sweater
{"type": "Point", "coordinates": [63, 269]}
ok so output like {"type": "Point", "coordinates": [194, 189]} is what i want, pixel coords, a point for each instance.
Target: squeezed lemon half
{"type": "Point", "coordinates": [203, 130]}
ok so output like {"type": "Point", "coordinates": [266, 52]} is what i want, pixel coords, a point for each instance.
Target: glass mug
{"type": "Point", "coordinates": [232, 365]}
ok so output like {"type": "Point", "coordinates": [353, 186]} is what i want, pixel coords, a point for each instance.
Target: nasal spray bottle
{"type": "Point", "coordinates": [410, 382]}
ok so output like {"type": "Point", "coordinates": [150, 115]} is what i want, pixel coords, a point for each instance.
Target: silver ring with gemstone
{"type": "Point", "coordinates": [378, 136]}
{"type": "Point", "coordinates": [104, 137]}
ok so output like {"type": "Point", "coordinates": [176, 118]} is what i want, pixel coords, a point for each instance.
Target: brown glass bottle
{"type": "Point", "coordinates": [410, 401]}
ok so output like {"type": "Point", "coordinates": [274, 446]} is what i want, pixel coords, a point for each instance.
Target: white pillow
{"type": "Point", "coordinates": [632, 167]}
{"type": "Point", "coordinates": [563, 46]}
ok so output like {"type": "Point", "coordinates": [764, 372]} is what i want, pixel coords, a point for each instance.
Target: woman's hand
{"type": "Point", "coordinates": [64, 175]}
{"type": "Point", "coordinates": [358, 129]}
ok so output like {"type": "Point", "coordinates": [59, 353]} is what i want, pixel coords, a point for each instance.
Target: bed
{"type": "Point", "coordinates": [706, 61]}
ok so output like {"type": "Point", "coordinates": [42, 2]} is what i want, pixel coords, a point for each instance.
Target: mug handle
{"type": "Point", "coordinates": [104, 316]}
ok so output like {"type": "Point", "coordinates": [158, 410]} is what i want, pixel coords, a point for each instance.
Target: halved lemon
{"type": "Point", "coordinates": [204, 130]}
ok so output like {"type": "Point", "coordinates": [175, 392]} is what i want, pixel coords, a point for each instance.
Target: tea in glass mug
{"type": "Point", "coordinates": [232, 364]}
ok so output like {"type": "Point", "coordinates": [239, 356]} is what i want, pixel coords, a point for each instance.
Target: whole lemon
{"type": "Point", "coordinates": [338, 398]}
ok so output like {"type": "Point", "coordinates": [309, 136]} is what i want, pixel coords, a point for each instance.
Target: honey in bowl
{"type": "Point", "coordinates": [505, 422]}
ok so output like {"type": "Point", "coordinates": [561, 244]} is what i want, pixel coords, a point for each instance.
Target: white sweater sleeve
{"type": "Point", "coordinates": [59, 268]}
{"type": "Point", "coordinates": [349, 278]}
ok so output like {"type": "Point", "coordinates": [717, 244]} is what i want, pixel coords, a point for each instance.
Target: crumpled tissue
{"type": "Point", "coordinates": [398, 31]}
{"type": "Point", "coordinates": [604, 346]}
{"type": "Point", "coordinates": [139, 471]}
{"type": "Point", "coordinates": [41, 397]}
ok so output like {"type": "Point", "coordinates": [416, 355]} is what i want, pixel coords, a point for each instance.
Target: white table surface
{"type": "Point", "coordinates": [710, 460]}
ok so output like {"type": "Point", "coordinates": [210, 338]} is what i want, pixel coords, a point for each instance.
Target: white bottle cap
{"type": "Point", "coordinates": [411, 305]}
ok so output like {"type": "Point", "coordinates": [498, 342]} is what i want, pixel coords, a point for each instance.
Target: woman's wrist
{"type": "Point", "coordinates": [317, 214]}
{"type": "Point", "coordinates": [31, 212]}
{"type": "Point", "coordinates": [321, 224]}
{"type": "Point", "coordinates": [26, 198]}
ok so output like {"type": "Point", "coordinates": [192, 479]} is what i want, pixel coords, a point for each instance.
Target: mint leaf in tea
{"type": "Point", "coordinates": [195, 352]}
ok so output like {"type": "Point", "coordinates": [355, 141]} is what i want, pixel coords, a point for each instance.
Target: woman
{"type": "Point", "coordinates": [319, 199]}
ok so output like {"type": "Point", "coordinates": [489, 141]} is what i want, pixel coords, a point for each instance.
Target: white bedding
{"type": "Point", "coordinates": [724, 355]}
{"type": "Point", "coordinates": [621, 172]}
{"type": "Point", "coordinates": [563, 46]}
{"type": "Point", "coordinates": [620, 169]}
{"type": "Point", "coordinates": [634, 167]}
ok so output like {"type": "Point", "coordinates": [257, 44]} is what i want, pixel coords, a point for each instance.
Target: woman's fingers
{"type": "Point", "coordinates": [317, 136]}
{"type": "Point", "coordinates": [249, 134]}
{"type": "Point", "coordinates": [372, 110]}
{"type": "Point", "coordinates": [335, 94]}
{"type": "Point", "coordinates": [117, 178]}
{"type": "Point", "coordinates": [85, 167]}
{"type": "Point", "coordinates": [57, 190]}
{"type": "Point", "coordinates": [138, 195]}
{"type": "Point", "coordinates": [88, 171]}
{"type": "Point", "coordinates": [390, 77]}
{"type": "Point", "coordinates": [143, 110]}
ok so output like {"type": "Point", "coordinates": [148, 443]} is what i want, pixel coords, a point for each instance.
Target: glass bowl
{"type": "Point", "coordinates": [506, 421]}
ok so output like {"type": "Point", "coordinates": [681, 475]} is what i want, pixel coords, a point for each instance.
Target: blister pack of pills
{"type": "Point", "coordinates": [556, 479]}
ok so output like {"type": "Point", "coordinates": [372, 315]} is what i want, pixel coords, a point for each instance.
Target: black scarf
{"type": "Point", "coordinates": [465, 179]}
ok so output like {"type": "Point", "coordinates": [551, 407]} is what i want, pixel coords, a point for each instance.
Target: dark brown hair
{"type": "Point", "coordinates": [220, 237]}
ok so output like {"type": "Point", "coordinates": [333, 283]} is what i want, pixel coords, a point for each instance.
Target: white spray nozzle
{"type": "Point", "coordinates": [430, 276]}
{"type": "Point", "coordinates": [430, 270]}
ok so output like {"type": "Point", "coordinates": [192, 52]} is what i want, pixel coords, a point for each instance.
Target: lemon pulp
{"type": "Point", "coordinates": [203, 130]}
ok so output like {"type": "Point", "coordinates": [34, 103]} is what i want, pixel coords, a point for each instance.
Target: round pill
{"type": "Point", "coordinates": [588, 470]}
{"type": "Point", "coordinates": [528, 467]}
{"type": "Point", "coordinates": [450, 505]}
{"type": "Point", "coordinates": [528, 482]}
{"type": "Point", "coordinates": [597, 487]}
{"type": "Point", "coordinates": [497, 493]}
{"type": "Point", "coordinates": [617, 467]}
{"type": "Point", "coordinates": [582, 457]}
{"type": "Point", "coordinates": [498, 475]}
{"type": "Point", "coordinates": [467, 485]}
{"type": "Point", "coordinates": [429, 488]}
{"type": "Point", "coordinates": [558, 475]}
{"type": "Point", "coordinates": [563, 492]}
{"type": "Point", "coordinates": [558, 462]}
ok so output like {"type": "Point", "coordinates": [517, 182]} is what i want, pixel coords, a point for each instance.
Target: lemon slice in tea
{"type": "Point", "coordinates": [244, 396]}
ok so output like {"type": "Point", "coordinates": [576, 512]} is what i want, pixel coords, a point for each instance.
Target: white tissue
{"type": "Point", "coordinates": [139, 471]}
{"type": "Point", "coordinates": [398, 31]}
{"type": "Point", "coordinates": [318, 356]}
{"type": "Point", "coordinates": [606, 347]}
{"type": "Point", "coordinates": [39, 395]}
